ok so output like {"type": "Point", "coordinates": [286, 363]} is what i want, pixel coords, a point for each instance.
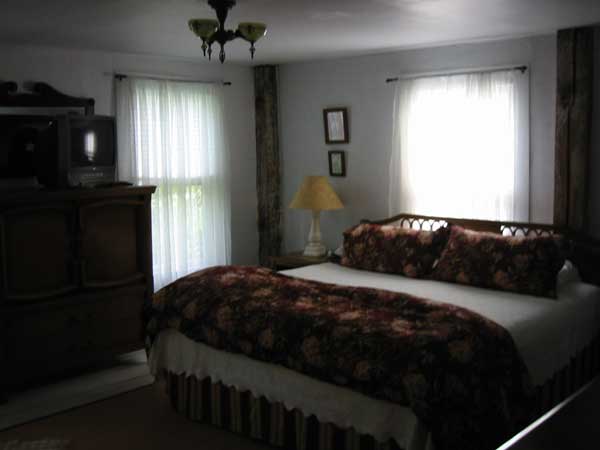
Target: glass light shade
{"type": "Point", "coordinates": [252, 31]}
{"type": "Point", "coordinates": [203, 28]}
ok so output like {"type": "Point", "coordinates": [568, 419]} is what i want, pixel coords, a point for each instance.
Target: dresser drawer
{"type": "Point", "coordinates": [124, 332]}
{"type": "Point", "coordinates": [111, 246]}
{"type": "Point", "coordinates": [76, 331]}
{"type": "Point", "coordinates": [80, 342]}
{"type": "Point", "coordinates": [59, 321]}
{"type": "Point", "coordinates": [43, 324]}
{"type": "Point", "coordinates": [37, 254]}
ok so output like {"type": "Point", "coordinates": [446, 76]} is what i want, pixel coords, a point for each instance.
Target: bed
{"type": "Point", "coordinates": [285, 408]}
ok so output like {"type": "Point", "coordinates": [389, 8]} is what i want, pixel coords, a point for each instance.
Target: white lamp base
{"type": "Point", "coordinates": [315, 247]}
{"type": "Point", "coordinates": [315, 250]}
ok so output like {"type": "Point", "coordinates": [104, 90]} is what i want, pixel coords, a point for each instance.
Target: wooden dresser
{"type": "Point", "coordinates": [75, 268]}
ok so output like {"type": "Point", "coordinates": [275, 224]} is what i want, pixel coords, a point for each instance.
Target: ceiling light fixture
{"type": "Point", "coordinates": [211, 31]}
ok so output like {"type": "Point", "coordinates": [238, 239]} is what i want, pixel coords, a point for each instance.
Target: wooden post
{"type": "Point", "coordinates": [574, 102]}
{"type": "Point", "coordinates": [268, 174]}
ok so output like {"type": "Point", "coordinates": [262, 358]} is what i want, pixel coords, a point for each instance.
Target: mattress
{"type": "Point", "coordinates": [547, 333]}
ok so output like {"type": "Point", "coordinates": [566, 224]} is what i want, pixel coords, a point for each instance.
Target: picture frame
{"type": "Point", "coordinates": [335, 121]}
{"type": "Point", "coordinates": [337, 163]}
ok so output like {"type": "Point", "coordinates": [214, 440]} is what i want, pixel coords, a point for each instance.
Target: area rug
{"type": "Point", "coordinates": [131, 373]}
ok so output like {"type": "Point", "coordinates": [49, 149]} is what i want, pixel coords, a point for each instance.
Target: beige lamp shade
{"type": "Point", "coordinates": [317, 194]}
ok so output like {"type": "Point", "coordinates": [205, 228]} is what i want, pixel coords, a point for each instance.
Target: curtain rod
{"type": "Point", "coordinates": [120, 76]}
{"type": "Point", "coordinates": [522, 69]}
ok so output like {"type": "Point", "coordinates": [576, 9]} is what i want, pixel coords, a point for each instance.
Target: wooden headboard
{"type": "Point", "coordinates": [418, 222]}
{"type": "Point", "coordinates": [584, 251]}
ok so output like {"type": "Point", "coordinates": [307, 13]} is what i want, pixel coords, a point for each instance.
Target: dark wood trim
{"type": "Point", "coordinates": [580, 126]}
{"type": "Point", "coordinates": [42, 95]}
{"type": "Point", "coordinates": [574, 104]}
{"type": "Point", "coordinates": [77, 194]}
{"type": "Point", "coordinates": [42, 295]}
{"type": "Point", "coordinates": [268, 163]}
{"type": "Point", "coordinates": [564, 96]}
{"type": "Point", "coordinates": [417, 221]}
{"type": "Point", "coordinates": [136, 278]}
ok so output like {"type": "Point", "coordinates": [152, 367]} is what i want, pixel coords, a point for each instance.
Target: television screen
{"type": "Point", "coordinates": [22, 138]}
{"type": "Point", "coordinates": [92, 141]}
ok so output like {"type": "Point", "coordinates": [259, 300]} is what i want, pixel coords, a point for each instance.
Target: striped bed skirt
{"type": "Point", "coordinates": [270, 422]}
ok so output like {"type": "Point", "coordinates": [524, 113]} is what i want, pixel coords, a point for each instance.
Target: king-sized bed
{"type": "Point", "coordinates": [555, 339]}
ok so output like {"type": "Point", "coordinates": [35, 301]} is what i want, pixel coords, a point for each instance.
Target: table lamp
{"type": "Point", "coordinates": [317, 195]}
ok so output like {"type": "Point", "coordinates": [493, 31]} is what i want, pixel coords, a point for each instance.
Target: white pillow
{"type": "Point", "coordinates": [339, 251]}
{"type": "Point", "coordinates": [568, 274]}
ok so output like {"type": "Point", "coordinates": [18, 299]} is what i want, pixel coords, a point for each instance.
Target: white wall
{"type": "Point", "coordinates": [359, 84]}
{"type": "Point", "coordinates": [87, 73]}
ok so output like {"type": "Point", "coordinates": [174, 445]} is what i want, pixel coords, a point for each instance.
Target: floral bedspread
{"type": "Point", "coordinates": [459, 372]}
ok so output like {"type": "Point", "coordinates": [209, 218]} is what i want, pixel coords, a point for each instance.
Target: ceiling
{"type": "Point", "coordinates": [298, 29]}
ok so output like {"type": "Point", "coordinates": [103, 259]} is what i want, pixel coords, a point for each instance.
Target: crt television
{"type": "Point", "coordinates": [90, 149]}
{"type": "Point", "coordinates": [56, 151]}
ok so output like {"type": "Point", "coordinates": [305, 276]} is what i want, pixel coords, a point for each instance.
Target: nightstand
{"type": "Point", "coordinates": [295, 260]}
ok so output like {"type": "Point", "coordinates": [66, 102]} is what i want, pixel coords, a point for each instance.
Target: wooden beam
{"type": "Point", "coordinates": [580, 127]}
{"type": "Point", "coordinates": [268, 172]}
{"type": "Point", "coordinates": [574, 102]}
{"type": "Point", "coordinates": [564, 96]}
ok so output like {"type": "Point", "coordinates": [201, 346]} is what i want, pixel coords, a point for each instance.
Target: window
{"type": "Point", "coordinates": [170, 135]}
{"type": "Point", "coordinates": [461, 146]}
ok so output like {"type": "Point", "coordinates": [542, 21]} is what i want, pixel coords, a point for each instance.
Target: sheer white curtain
{"type": "Point", "coordinates": [171, 135]}
{"type": "Point", "coordinates": [461, 146]}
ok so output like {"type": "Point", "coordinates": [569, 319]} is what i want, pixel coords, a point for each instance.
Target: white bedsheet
{"type": "Point", "coordinates": [546, 332]}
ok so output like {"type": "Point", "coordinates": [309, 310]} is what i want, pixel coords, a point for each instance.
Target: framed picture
{"type": "Point", "coordinates": [337, 163]}
{"type": "Point", "coordinates": [336, 125]}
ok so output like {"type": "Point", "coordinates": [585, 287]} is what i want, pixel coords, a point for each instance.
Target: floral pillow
{"type": "Point", "coordinates": [528, 265]}
{"type": "Point", "coordinates": [391, 249]}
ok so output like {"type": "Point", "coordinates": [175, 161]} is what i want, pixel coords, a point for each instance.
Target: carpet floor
{"type": "Point", "coordinates": [140, 419]}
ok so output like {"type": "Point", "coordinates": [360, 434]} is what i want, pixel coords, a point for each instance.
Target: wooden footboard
{"type": "Point", "coordinates": [270, 422]}
{"type": "Point", "coordinates": [582, 369]}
